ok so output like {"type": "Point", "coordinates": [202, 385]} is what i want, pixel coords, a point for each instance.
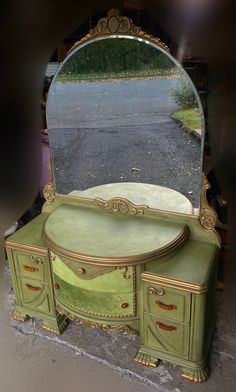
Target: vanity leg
{"type": "Point", "coordinates": [19, 316]}
{"type": "Point", "coordinates": [55, 324]}
{"type": "Point", "coordinates": [195, 375]}
{"type": "Point", "coordinates": [146, 359]}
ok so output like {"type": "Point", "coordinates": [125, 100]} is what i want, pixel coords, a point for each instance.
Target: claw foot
{"type": "Point", "coordinates": [195, 375]}
{"type": "Point", "coordinates": [146, 359]}
{"type": "Point", "coordinates": [56, 325]}
{"type": "Point", "coordinates": [19, 316]}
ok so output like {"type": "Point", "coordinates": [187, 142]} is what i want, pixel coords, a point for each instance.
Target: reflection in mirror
{"type": "Point", "coordinates": [121, 110]}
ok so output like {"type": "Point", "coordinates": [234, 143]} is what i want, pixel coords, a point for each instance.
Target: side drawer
{"type": "Point", "coordinates": [34, 295]}
{"type": "Point", "coordinates": [167, 303]}
{"type": "Point", "coordinates": [30, 265]}
{"type": "Point", "coordinates": [166, 336]}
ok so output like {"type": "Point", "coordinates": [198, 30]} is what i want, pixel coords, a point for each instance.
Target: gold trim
{"type": "Point", "coordinates": [172, 283]}
{"type": "Point", "coordinates": [116, 24]}
{"type": "Point", "coordinates": [195, 375]}
{"type": "Point", "coordinates": [121, 205]}
{"type": "Point", "coordinates": [153, 291]}
{"type": "Point", "coordinates": [78, 200]}
{"type": "Point", "coordinates": [49, 189]}
{"type": "Point", "coordinates": [52, 255]}
{"type": "Point", "coordinates": [118, 261]}
{"type": "Point", "coordinates": [27, 248]}
{"type": "Point", "coordinates": [36, 260]}
{"type": "Point", "coordinates": [19, 316]}
{"type": "Point", "coordinates": [120, 316]}
{"type": "Point", "coordinates": [208, 217]}
{"type": "Point", "coordinates": [124, 273]}
{"type": "Point", "coordinates": [124, 329]}
{"type": "Point", "coordinates": [135, 293]}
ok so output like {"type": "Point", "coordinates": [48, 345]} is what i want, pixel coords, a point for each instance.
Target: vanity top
{"type": "Point", "coordinates": [176, 269]}
{"type": "Point", "coordinates": [29, 236]}
{"type": "Point", "coordinates": [110, 238]}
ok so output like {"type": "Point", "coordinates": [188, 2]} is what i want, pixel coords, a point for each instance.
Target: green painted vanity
{"type": "Point", "coordinates": [131, 256]}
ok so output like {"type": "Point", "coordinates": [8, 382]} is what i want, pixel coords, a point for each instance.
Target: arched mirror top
{"type": "Point", "coordinates": [125, 120]}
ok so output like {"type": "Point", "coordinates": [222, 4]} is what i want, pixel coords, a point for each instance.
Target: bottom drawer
{"type": "Point", "coordinates": [34, 295]}
{"type": "Point", "coordinates": [166, 336]}
{"type": "Point", "coordinates": [97, 303]}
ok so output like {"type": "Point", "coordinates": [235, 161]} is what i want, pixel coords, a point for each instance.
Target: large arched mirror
{"type": "Point", "coordinates": [121, 111]}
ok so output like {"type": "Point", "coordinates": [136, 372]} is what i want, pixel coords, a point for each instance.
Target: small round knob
{"type": "Point", "coordinates": [56, 286]}
{"type": "Point", "coordinates": [81, 271]}
{"type": "Point", "coordinates": [124, 305]}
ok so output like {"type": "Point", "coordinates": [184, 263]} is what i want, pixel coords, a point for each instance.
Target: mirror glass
{"type": "Point", "coordinates": [120, 109]}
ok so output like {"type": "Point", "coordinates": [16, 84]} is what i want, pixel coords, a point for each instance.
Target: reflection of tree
{"type": "Point", "coordinates": [184, 95]}
{"type": "Point", "coordinates": [115, 56]}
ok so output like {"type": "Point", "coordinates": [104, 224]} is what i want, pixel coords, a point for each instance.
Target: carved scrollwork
{"type": "Point", "coordinates": [121, 205]}
{"type": "Point", "coordinates": [125, 272]}
{"type": "Point", "coordinates": [114, 23]}
{"type": "Point", "coordinates": [208, 217]}
{"type": "Point", "coordinates": [36, 260]}
{"type": "Point", "coordinates": [52, 255]}
{"type": "Point", "coordinates": [49, 189]}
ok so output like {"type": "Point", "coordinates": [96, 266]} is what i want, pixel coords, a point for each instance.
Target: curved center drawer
{"type": "Point", "coordinates": [110, 294]}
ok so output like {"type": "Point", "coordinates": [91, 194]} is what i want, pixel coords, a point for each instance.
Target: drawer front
{"type": "Point", "coordinates": [167, 303]}
{"type": "Point", "coordinates": [30, 265]}
{"type": "Point", "coordinates": [34, 295]}
{"type": "Point", "coordinates": [95, 303]}
{"type": "Point", "coordinates": [111, 280]}
{"type": "Point", "coordinates": [81, 269]}
{"type": "Point", "coordinates": [166, 336]}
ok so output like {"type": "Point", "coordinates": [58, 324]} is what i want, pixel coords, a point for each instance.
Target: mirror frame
{"type": "Point", "coordinates": [115, 25]}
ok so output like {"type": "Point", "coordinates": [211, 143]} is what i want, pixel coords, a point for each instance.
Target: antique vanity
{"type": "Point", "coordinates": [125, 241]}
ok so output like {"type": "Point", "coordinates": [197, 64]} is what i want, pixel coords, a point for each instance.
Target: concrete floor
{"type": "Point", "coordinates": [32, 360]}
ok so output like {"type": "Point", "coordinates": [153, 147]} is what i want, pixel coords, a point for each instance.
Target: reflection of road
{"type": "Point", "coordinates": [158, 154]}
{"type": "Point", "coordinates": [123, 102]}
{"type": "Point", "coordinates": [120, 132]}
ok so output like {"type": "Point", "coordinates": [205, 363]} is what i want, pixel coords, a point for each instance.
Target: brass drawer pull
{"type": "Point", "coordinates": [32, 288]}
{"type": "Point", "coordinates": [166, 327]}
{"type": "Point", "coordinates": [30, 269]}
{"type": "Point", "coordinates": [81, 271]}
{"type": "Point", "coordinates": [153, 291]}
{"type": "Point", "coordinates": [166, 307]}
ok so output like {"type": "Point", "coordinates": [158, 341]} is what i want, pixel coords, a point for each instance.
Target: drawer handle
{"type": "Point", "coordinates": [166, 327]}
{"type": "Point", "coordinates": [81, 271]}
{"type": "Point", "coordinates": [30, 269]}
{"type": "Point", "coordinates": [32, 288]}
{"type": "Point", "coordinates": [153, 291]}
{"type": "Point", "coordinates": [166, 307]}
